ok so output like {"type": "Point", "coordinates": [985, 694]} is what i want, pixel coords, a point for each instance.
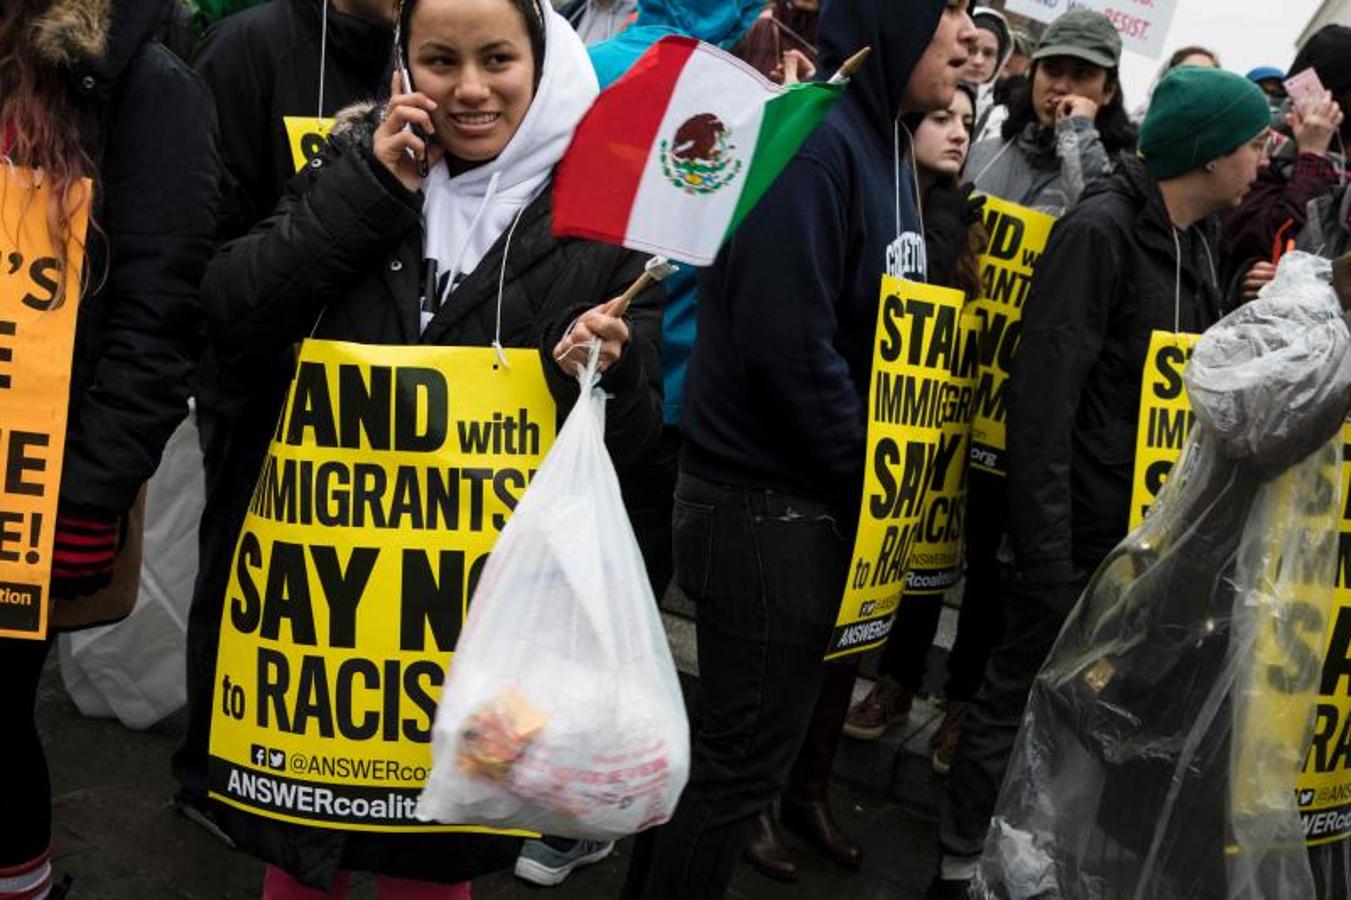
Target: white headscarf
{"type": "Point", "coordinates": [465, 215]}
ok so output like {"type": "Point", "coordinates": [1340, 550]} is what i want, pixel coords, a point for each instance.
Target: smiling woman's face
{"type": "Point", "coordinates": [473, 57]}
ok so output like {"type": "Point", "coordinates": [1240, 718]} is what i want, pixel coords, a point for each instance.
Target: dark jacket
{"type": "Point", "coordinates": [776, 395]}
{"type": "Point", "coordinates": [263, 66]}
{"type": "Point", "coordinates": [149, 126]}
{"type": "Point", "coordinates": [343, 250]}
{"type": "Point", "coordinates": [1272, 213]}
{"type": "Point", "coordinates": [1106, 281]}
{"type": "Point", "coordinates": [1327, 228]}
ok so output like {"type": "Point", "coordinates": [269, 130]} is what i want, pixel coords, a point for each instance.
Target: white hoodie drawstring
{"type": "Point", "coordinates": [501, 288]}
{"type": "Point", "coordinates": [896, 179]}
{"type": "Point", "coordinates": [473, 226]}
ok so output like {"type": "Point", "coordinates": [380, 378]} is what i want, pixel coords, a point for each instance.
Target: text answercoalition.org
{"type": "Point", "coordinates": [283, 795]}
{"type": "Point", "coordinates": [346, 767]}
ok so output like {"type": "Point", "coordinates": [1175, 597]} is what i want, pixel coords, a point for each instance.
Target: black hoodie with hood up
{"type": "Point", "coordinates": [776, 397]}
{"type": "Point", "coordinates": [263, 66]}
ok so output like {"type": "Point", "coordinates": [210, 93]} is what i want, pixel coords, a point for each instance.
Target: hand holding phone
{"type": "Point", "coordinates": [1305, 88]}
{"type": "Point", "coordinates": [402, 143]}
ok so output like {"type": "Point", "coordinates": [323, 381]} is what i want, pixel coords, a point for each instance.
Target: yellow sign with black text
{"type": "Point", "coordinates": [307, 135]}
{"type": "Point", "coordinates": [39, 302]}
{"type": "Point", "coordinates": [1165, 418]}
{"type": "Point", "coordinates": [936, 560]}
{"type": "Point", "coordinates": [1018, 236]}
{"type": "Point", "coordinates": [391, 473]}
{"type": "Point", "coordinates": [1323, 792]}
{"type": "Point", "coordinates": [911, 398]}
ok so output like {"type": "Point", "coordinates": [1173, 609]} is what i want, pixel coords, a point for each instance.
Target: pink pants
{"type": "Point", "coordinates": [277, 885]}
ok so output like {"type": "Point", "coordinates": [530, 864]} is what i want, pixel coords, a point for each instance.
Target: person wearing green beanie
{"type": "Point", "coordinates": [1199, 115]}
{"type": "Point", "coordinates": [1135, 255]}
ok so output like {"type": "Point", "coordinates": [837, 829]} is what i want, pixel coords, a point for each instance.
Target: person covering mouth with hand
{"type": "Point", "coordinates": [1066, 125]}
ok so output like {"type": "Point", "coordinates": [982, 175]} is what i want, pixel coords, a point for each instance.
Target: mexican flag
{"type": "Point", "coordinates": [672, 157]}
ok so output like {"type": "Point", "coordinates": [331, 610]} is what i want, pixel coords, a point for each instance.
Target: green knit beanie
{"type": "Point", "coordinates": [1199, 114]}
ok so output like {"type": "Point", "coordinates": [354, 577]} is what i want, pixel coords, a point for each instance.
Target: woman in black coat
{"type": "Point", "coordinates": [366, 248]}
{"type": "Point", "coordinates": [86, 93]}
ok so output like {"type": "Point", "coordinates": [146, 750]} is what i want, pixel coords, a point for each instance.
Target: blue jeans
{"type": "Point", "coordinates": [766, 571]}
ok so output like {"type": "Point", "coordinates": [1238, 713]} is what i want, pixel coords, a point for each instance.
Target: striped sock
{"type": "Point", "coordinates": [27, 881]}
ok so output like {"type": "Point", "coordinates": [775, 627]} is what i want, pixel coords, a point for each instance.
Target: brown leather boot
{"type": "Point", "coordinates": [767, 852]}
{"type": "Point", "coordinates": [812, 821]}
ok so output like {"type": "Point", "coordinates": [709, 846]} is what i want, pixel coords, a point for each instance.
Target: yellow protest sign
{"type": "Point", "coordinates": [1324, 793]}
{"type": "Point", "coordinates": [390, 475]}
{"type": "Point", "coordinates": [910, 400]}
{"type": "Point", "coordinates": [1280, 638]}
{"type": "Point", "coordinates": [1165, 418]}
{"type": "Point", "coordinates": [936, 560]}
{"type": "Point", "coordinates": [38, 306]}
{"type": "Point", "coordinates": [1018, 236]}
{"type": "Point", "coordinates": [1304, 641]}
{"type": "Point", "coordinates": [307, 135]}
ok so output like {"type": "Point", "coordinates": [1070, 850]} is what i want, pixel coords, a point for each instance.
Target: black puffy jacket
{"type": "Point", "coordinates": [1108, 279]}
{"type": "Point", "coordinates": [149, 126]}
{"type": "Point", "coordinates": [340, 258]}
{"type": "Point", "coordinates": [263, 65]}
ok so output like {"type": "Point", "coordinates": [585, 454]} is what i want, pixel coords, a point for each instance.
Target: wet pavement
{"type": "Point", "coordinates": [118, 837]}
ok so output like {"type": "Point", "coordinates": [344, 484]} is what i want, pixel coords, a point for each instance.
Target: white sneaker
{"type": "Point", "coordinates": [546, 866]}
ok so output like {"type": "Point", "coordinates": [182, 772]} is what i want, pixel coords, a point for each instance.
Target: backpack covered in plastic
{"type": "Point", "coordinates": [1165, 733]}
{"type": "Point", "coordinates": [562, 711]}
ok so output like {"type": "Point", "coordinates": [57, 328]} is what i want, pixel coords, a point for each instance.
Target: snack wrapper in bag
{"type": "Point", "coordinates": [562, 712]}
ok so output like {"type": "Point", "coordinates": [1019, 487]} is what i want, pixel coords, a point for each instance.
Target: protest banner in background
{"type": "Point", "coordinates": [936, 560]}
{"type": "Point", "coordinates": [1324, 789]}
{"type": "Point", "coordinates": [390, 475]}
{"type": "Point", "coordinates": [38, 307]}
{"type": "Point", "coordinates": [307, 135]}
{"type": "Point", "coordinates": [910, 400]}
{"type": "Point", "coordinates": [1142, 24]}
{"type": "Point", "coordinates": [1165, 418]}
{"type": "Point", "coordinates": [1017, 238]}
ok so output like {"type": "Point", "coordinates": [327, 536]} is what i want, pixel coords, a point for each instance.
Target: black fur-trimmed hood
{"type": "Point", "coordinates": [96, 39]}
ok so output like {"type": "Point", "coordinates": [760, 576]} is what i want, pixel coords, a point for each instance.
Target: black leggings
{"type": "Point", "coordinates": [26, 825]}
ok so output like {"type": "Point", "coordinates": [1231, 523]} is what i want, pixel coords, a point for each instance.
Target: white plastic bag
{"type": "Point", "coordinates": [133, 670]}
{"type": "Point", "coordinates": [562, 712]}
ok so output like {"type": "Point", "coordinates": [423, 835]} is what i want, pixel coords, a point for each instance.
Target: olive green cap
{"type": "Point", "coordinates": [1083, 34]}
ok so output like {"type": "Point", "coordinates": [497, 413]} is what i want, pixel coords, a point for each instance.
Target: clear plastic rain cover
{"type": "Point", "coordinates": [1165, 734]}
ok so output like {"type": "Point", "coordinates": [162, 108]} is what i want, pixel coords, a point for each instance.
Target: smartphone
{"type": "Point", "coordinates": [407, 79]}
{"type": "Point", "coordinates": [1305, 88]}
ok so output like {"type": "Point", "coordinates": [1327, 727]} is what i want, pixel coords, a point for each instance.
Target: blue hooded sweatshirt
{"type": "Point", "coordinates": [777, 390]}
{"type": "Point", "coordinates": [721, 22]}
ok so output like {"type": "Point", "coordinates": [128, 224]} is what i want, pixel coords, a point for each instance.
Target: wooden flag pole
{"type": "Point", "coordinates": [851, 66]}
{"type": "Point", "coordinates": [658, 269]}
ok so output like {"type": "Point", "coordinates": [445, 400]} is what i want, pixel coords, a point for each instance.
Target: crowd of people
{"type": "Point", "coordinates": [737, 418]}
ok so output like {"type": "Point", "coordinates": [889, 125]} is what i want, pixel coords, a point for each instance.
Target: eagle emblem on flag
{"type": "Point", "coordinates": [700, 159]}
